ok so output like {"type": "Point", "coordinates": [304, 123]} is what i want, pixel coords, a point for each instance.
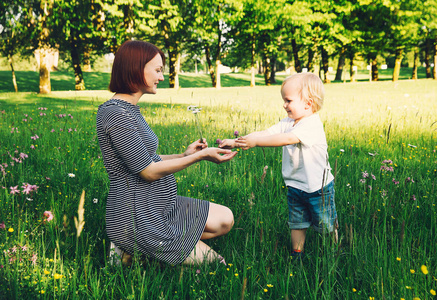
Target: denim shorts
{"type": "Point", "coordinates": [315, 209]}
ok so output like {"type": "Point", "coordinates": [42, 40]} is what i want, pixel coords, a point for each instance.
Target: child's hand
{"type": "Point", "coordinates": [227, 144]}
{"type": "Point", "coordinates": [246, 142]}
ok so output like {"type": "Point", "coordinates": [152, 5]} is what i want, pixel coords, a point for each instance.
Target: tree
{"type": "Point", "coordinates": [15, 24]}
{"type": "Point", "coordinates": [404, 30]}
{"type": "Point", "coordinates": [212, 21]}
{"type": "Point", "coordinates": [428, 21]}
{"type": "Point", "coordinates": [372, 23]}
{"type": "Point", "coordinates": [75, 32]}
{"type": "Point", "coordinates": [168, 16]}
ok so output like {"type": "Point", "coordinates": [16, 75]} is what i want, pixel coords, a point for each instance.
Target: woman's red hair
{"type": "Point", "coordinates": [127, 75]}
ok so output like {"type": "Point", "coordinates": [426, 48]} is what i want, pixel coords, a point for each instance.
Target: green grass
{"type": "Point", "coordinates": [387, 230]}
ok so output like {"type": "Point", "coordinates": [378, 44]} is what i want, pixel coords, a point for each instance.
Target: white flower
{"type": "Point", "coordinates": [341, 150]}
{"type": "Point", "coordinates": [95, 200]}
{"type": "Point", "coordinates": [71, 175]}
{"type": "Point", "coordinates": [373, 154]}
{"type": "Point", "coordinates": [29, 199]}
{"type": "Point", "coordinates": [412, 146]}
{"type": "Point", "coordinates": [194, 109]}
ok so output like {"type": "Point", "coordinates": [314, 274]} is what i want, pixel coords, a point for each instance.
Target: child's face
{"type": "Point", "coordinates": [295, 107]}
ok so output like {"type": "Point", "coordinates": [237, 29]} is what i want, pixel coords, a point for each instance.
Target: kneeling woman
{"type": "Point", "coordinates": [144, 213]}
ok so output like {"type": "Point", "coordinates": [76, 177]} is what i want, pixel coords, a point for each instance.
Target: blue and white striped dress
{"type": "Point", "coordinates": [141, 216]}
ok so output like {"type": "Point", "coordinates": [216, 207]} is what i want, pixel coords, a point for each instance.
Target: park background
{"type": "Point", "coordinates": [378, 61]}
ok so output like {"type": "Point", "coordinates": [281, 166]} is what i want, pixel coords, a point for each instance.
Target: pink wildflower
{"type": "Point", "coordinates": [53, 130]}
{"type": "Point", "coordinates": [32, 147]}
{"type": "Point", "coordinates": [35, 137]}
{"type": "Point", "coordinates": [24, 248]}
{"type": "Point", "coordinates": [222, 260]}
{"type": "Point", "coordinates": [23, 155]}
{"type": "Point", "coordinates": [236, 133]}
{"type": "Point", "coordinates": [34, 258]}
{"type": "Point", "coordinates": [218, 141]}
{"type": "Point", "coordinates": [48, 215]}
{"type": "Point", "coordinates": [2, 225]}
{"type": "Point", "coordinates": [14, 190]}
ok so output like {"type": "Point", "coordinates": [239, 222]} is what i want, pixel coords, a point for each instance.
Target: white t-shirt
{"type": "Point", "coordinates": [305, 165]}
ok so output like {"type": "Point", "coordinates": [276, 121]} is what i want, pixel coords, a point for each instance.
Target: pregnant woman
{"type": "Point", "coordinates": [144, 214]}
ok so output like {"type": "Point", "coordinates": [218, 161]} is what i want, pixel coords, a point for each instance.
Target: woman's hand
{"type": "Point", "coordinates": [195, 147]}
{"type": "Point", "coordinates": [217, 155]}
{"type": "Point", "coordinates": [246, 142]}
{"type": "Point", "coordinates": [227, 144]}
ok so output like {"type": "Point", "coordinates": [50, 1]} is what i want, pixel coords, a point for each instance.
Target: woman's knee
{"type": "Point", "coordinates": [228, 220]}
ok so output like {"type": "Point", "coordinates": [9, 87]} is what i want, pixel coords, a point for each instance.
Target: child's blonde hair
{"type": "Point", "coordinates": [310, 88]}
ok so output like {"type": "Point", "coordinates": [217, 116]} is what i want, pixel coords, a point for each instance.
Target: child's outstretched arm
{"type": "Point", "coordinates": [275, 140]}
{"type": "Point", "coordinates": [230, 143]}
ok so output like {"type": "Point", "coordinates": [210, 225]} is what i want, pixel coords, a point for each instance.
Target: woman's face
{"type": "Point", "coordinates": [153, 74]}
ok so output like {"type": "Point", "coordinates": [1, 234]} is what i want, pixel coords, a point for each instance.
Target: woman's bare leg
{"type": "Point", "coordinates": [202, 253]}
{"type": "Point", "coordinates": [220, 221]}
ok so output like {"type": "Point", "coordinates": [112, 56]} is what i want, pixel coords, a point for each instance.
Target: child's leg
{"type": "Point", "coordinates": [298, 239]}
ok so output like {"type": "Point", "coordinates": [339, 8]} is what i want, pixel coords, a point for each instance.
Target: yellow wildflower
{"type": "Point", "coordinates": [412, 271]}
{"type": "Point", "coordinates": [424, 269]}
{"type": "Point", "coordinates": [270, 285]}
{"type": "Point", "coordinates": [266, 290]}
{"type": "Point", "coordinates": [354, 290]}
{"type": "Point", "coordinates": [57, 276]}
{"type": "Point", "coordinates": [398, 258]}
{"type": "Point", "coordinates": [432, 292]}
{"type": "Point", "coordinates": [11, 229]}
{"type": "Point", "coordinates": [46, 272]}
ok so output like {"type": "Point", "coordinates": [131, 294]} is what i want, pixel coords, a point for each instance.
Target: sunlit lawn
{"type": "Point", "coordinates": [382, 139]}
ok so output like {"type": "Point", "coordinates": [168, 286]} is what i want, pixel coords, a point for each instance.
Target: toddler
{"type": "Point", "coordinates": [305, 166]}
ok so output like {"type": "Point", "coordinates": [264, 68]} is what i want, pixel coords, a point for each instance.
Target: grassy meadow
{"type": "Point", "coordinates": [382, 140]}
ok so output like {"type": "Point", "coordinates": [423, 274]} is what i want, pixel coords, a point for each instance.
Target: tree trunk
{"type": "Point", "coordinates": [340, 65]}
{"type": "Point", "coordinates": [310, 60]}
{"type": "Point", "coordinates": [267, 70]}
{"type": "Point", "coordinates": [44, 71]}
{"type": "Point", "coordinates": [398, 61]}
{"type": "Point", "coordinates": [178, 70]}
{"type": "Point", "coordinates": [374, 69]}
{"type": "Point", "coordinates": [325, 65]}
{"type": "Point", "coordinates": [75, 59]}
{"type": "Point", "coordinates": [217, 68]}
{"type": "Point", "coordinates": [427, 58]}
{"type": "Point", "coordinates": [297, 64]}
{"type": "Point", "coordinates": [273, 69]}
{"type": "Point", "coordinates": [252, 65]}
{"type": "Point", "coordinates": [87, 59]}
{"type": "Point", "coordinates": [416, 63]}
{"type": "Point", "coordinates": [172, 72]}
{"type": "Point", "coordinates": [210, 65]}
{"type": "Point", "coordinates": [434, 72]}
{"type": "Point", "coordinates": [44, 50]}
{"type": "Point", "coordinates": [14, 79]}
{"type": "Point", "coordinates": [352, 71]}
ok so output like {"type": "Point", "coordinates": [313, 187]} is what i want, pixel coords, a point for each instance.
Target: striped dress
{"type": "Point", "coordinates": [145, 217]}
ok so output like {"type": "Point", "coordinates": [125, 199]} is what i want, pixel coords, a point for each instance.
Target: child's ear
{"type": "Point", "coordinates": [309, 103]}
